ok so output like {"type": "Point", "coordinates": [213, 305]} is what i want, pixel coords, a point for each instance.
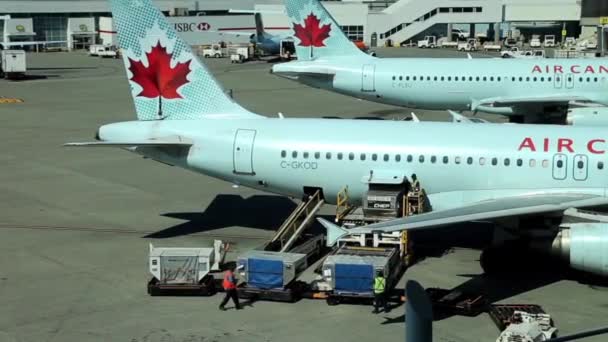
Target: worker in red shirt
{"type": "Point", "coordinates": [229, 285]}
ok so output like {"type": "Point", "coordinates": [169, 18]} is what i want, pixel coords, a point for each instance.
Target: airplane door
{"type": "Point", "coordinates": [579, 167]}
{"type": "Point", "coordinates": [243, 151]}
{"type": "Point", "coordinates": [367, 77]}
{"type": "Point", "coordinates": [569, 81]}
{"type": "Point", "coordinates": [557, 81]}
{"type": "Point", "coordinates": [560, 166]}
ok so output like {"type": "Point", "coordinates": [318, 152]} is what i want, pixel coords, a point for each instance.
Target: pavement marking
{"type": "Point", "coordinates": [10, 100]}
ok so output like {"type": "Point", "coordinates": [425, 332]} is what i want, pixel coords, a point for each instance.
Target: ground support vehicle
{"type": "Point", "coordinates": [12, 64]}
{"type": "Point", "coordinates": [470, 45]}
{"type": "Point", "coordinates": [215, 51]}
{"type": "Point", "coordinates": [185, 271]}
{"type": "Point", "coordinates": [527, 327]}
{"type": "Point", "coordinates": [428, 42]}
{"type": "Point", "coordinates": [241, 54]}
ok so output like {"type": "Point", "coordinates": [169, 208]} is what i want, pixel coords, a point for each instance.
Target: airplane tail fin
{"type": "Point", "coordinates": [259, 27]}
{"type": "Point", "coordinates": [317, 33]}
{"type": "Point", "coordinates": [167, 79]}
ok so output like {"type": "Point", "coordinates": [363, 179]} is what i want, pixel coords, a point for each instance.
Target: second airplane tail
{"type": "Point", "coordinates": [317, 33]}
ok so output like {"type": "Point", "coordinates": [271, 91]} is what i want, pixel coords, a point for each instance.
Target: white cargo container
{"type": "Point", "coordinates": [184, 269]}
{"type": "Point", "coordinates": [12, 63]}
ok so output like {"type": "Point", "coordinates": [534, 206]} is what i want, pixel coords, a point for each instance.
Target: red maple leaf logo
{"type": "Point", "coordinates": [159, 79]}
{"type": "Point", "coordinates": [312, 33]}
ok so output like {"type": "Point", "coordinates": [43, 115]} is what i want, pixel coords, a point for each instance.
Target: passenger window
{"type": "Point", "coordinates": [532, 162]}
{"type": "Point", "coordinates": [588, 79]}
{"type": "Point", "coordinates": [477, 78]}
{"type": "Point", "coordinates": [433, 159]}
{"type": "Point", "coordinates": [521, 79]}
{"type": "Point", "coordinates": [317, 155]}
{"type": "Point", "coordinates": [414, 78]}
{"type": "Point", "coordinates": [580, 79]}
{"type": "Point", "coordinates": [521, 162]}
{"type": "Point", "coordinates": [407, 78]}
{"type": "Point", "coordinates": [328, 155]}
{"type": "Point", "coordinates": [471, 78]}
{"type": "Point", "coordinates": [294, 154]}
{"type": "Point", "coordinates": [428, 78]}
{"type": "Point", "coordinates": [580, 164]}
{"type": "Point", "coordinates": [421, 159]}
{"type": "Point", "coordinates": [397, 158]}
{"type": "Point", "coordinates": [351, 156]}
{"type": "Point", "coordinates": [534, 79]}
{"type": "Point", "coordinates": [470, 160]}
{"type": "Point", "coordinates": [492, 78]}
{"type": "Point", "coordinates": [305, 155]}
{"type": "Point", "coordinates": [442, 78]}
{"type": "Point", "coordinates": [374, 157]}
{"type": "Point", "coordinates": [507, 162]}
{"type": "Point", "coordinates": [560, 164]}
{"type": "Point", "coordinates": [527, 79]}
{"type": "Point", "coordinates": [595, 79]}
{"type": "Point", "coordinates": [449, 78]}
{"type": "Point", "coordinates": [494, 161]}
{"type": "Point", "coordinates": [409, 158]}
{"type": "Point", "coordinates": [435, 78]}
{"type": "Point", "coordinates": [542, 79]}
{"type": "Point", "coordinates": [457, 160]}
{"type": "Point", "coordinates": [283, 154]}
{"type": "Point", "coordinates": [513, 79]}
{"type": "Point", "coordinates": [545, 163]}
{"type": "Point", "coordinates": [362, 156]}
{"type": "Point", "coordinates": [393, 78]}
{"type": "Point", "coordinates": [498, 79]}
{"type": "Point", "coordinates": [386, 157]}
{"type": "Point", "coordinates": [600, 165]}
{"type": "Point", "coordinates": [446, 159]}
{"type": "Point", "coordinates": [456, 78]}
{"type": "Point", "coordinates": [484, 78]}
{"type": "Point", "coordinates": [340, 156]}
{"type": "Point", "coordinates": [482, 161]}
{"type": "Point", "coordinates": [549, 79]}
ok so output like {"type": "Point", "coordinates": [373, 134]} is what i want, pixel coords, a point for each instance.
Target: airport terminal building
{"type": "Point", "coordinates": [81, 22]}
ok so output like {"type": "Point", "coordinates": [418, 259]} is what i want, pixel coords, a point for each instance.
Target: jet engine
{"type": "Point", "coordinates": [584, 246]}
{"type": "Point", "coordinates": [587, 116]}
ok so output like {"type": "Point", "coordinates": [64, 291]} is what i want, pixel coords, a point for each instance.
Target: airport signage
{"type": "Point", "coordinates": [575, 69]}
{"type": "Point", "coordinates": [191, 27]}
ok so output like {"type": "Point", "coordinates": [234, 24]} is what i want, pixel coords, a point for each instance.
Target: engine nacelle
{"type": "Point", "coordinates": [584, 246]}
{"type": "Point", "coordinates": [587, 116]}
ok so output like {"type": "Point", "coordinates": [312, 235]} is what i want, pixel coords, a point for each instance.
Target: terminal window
{"type": "Point", "coordinates": [354, 33]}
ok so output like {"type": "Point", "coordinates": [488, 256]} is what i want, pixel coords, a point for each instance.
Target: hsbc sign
{"type": "Point", "coordinates": [191, 27]}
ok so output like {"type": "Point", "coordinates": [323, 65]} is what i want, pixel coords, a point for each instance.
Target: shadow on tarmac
{"type": "Point", "coordinates": [265, 212]}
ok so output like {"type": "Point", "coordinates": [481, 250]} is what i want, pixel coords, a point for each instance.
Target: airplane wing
{"type": "Point", "coordinates": [480, 211]}
{"type": "Point", "coordinates": [162, 142]}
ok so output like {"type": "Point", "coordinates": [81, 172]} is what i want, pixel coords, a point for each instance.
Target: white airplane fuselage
{"type": "Point", "coordinates": [449, 83]}
{"type": "Point", "coordinates": [456, 163]}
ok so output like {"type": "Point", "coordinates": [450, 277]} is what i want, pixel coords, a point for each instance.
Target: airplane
{"type": "Point", "coordinates": [525, 90]}
{"type": "Point", "coordinates": [509, 174]}
{"type": "Point", "coordinates": [269, 43]}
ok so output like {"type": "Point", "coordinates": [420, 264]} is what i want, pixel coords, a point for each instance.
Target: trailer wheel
{"type": "Point", "coordinates": [332, 301]}
{"type": "Point", "coordinates": [217, 55]}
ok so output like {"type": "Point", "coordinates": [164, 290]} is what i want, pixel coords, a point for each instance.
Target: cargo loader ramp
{"type": "Point", "coordinates": [293, 227]}
{"type": "Point", "coordinates": [271, 273]}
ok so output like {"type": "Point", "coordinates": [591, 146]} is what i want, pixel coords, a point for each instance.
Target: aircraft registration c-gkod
{"type": "Point", "coordinates": [470, 171]}
{"type": "Point", "coordinates": [563, 91]}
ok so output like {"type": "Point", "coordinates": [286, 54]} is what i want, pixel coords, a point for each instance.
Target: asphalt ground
{"type": "Point", "coordinates": [75, 224]}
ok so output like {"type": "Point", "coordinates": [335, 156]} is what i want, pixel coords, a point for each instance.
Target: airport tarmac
{"type": "Point", "coordinates": [76, 223]}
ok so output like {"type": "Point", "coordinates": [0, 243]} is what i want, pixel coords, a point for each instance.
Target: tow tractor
{"type": "Point", "coordinates": [428, 42]}
{"type": "Point", "coordinates": [470, 45]}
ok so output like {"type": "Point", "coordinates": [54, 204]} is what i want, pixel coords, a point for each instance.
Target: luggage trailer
{"type": "Point", "coordinates": [185, 271]}
{"type": "Point", "coordinates": [272, 275]}
{"type": "Point", "coordinates": [348, 274]}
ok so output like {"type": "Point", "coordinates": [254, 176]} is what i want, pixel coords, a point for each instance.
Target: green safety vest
{"type": "Point", "coordinates": [379, 284]}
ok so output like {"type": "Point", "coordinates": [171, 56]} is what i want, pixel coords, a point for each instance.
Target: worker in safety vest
{"type": "Point", "coordinates": [229, 285]}
{"type": "Point", "coordinates": [380, 293]}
